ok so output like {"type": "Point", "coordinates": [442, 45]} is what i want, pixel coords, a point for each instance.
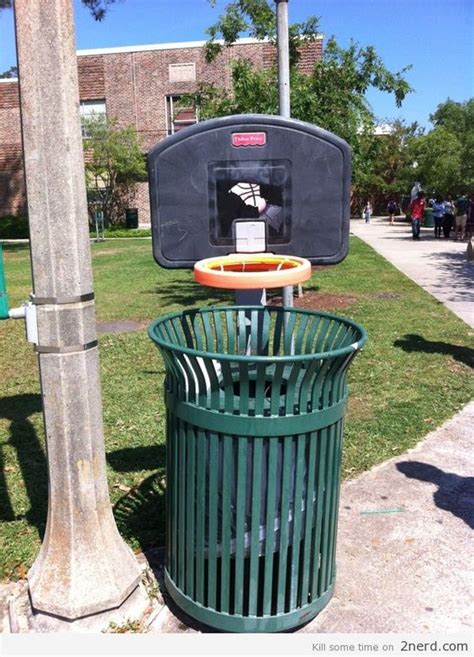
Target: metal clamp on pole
{"type": "Point", "coordinates": [70, 349]}
{"type": "Point", "coordinates": [61, 301]}
{"type": "Point", "coordinates": [27, 311]}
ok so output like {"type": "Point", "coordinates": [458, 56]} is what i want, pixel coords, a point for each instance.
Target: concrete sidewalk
{"type": "Point", "coordinates": [405, 540]}
{"type": "Point", "coordinates": [437, 265]}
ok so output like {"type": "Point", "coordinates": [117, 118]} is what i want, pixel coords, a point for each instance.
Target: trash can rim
{"type": "Point", "coordinates": [291, 358]}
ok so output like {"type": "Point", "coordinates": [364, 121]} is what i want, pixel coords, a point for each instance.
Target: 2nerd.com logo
{"type": "Point", "coordinates": [245, 139]}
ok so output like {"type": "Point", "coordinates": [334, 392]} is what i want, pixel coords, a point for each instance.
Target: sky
{"type": "Point", "coordinates": [436, 37]}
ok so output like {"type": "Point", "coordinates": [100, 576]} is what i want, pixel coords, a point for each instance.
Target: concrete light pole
{"type": "Point", "coordinates": [284, 89]}
{"type": "Point", "coordinates": [283, 58]}
{"type": "Point", "coordinates": [84, 566]}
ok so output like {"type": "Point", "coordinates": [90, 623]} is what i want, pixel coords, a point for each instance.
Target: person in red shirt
{"type": "Point", "coordinates": [417, 209]}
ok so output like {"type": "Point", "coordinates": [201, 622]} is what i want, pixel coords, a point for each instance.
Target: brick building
{"type": "Point", "coordinates": [139, 86]}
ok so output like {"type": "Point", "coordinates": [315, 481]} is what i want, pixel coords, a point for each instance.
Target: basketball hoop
{"type": "Point", "coordinates": [249, 271]}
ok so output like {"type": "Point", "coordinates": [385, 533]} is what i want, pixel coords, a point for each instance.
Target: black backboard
{"type": "Point", "coordinates": [292, 174]}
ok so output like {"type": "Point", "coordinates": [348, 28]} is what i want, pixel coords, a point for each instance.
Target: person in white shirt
{"type": "Point", "coordinates": [438, 216]}
{"type": "Point", "coordinates": [448, 219]}
{"type": "Point", "coordinates": [367, 212]}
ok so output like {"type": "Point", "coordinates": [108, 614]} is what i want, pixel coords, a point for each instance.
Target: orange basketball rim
{"type": "Point", "coordinates": [249, 271]}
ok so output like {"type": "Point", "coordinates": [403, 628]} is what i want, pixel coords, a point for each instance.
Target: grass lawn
{"type": "Point", "coordinates": [413, 374]}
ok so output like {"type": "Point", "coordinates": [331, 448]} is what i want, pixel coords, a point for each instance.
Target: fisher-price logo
{"type": "Point", "coordinates": [244, 139]}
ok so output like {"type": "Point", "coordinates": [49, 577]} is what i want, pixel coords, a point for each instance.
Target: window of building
{"type": "Point", "coordinates": [91, 109]}
{"type": "Point", "coordinates": [178, 116]}
{"type": "Point", "coordinates": [184, 72]}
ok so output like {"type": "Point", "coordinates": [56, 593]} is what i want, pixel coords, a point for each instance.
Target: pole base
{"type": "Point", "coordinates": [126, 617]}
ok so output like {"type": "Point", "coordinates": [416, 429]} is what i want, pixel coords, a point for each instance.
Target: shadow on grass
{"type": "Point", "coordinates": [140, 514]}
{"type": "Point", "coordinates": [454, 494]}
{"type": "Point", "coordinates": [31, 459]}
{"type": "Point", "coordinates": [412, 342]}
{"type": "Point", "coordinates": [141, 517]}
{"type": "Point", "coordinates": [135, 459]}
{"type": "Point", "coordinates": [189, 293]}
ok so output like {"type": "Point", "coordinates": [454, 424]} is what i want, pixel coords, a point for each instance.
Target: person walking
{"type": "Point", "coordinates": [417, 209]}
{"type": "Point", "coordinates": [438, 215]}
{"type": "Point", "coordinates": [470, 219]}
{"type": "Point", "coordinates": [391, 210]}
{"type": "Point", "coordinates": [367, 212]}
{"type": "Point", "coordinates": [448, 219]}
{"type": "Point", "coordinates": [462, 206]}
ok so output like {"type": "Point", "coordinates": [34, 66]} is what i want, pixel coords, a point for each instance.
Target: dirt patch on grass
{"type": "Point", "coordinates": [119, 326]}
{"type": "Point", "coordinates": [319, 301]}
{"type": "Point", "coordinates": [359, 408]}
{"type": "Point", "coordinates": [108, 252]}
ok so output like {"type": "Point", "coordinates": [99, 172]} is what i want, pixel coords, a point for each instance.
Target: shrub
{"type": "Point", "coordinates": [14, 228]}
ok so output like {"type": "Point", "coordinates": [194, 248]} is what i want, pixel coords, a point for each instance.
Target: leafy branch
{"type": "Point", "coordinates": [256, 19]}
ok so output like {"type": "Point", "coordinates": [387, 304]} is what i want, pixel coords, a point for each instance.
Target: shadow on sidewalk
{"type": "Point", "coordinates": [412, 342]}
{"type": "Point", "coordinates": [453, 264]}
{"type": "Point", "coordinates": [455, 493]}
{"type": "Point", "coordinates": [407, 237]}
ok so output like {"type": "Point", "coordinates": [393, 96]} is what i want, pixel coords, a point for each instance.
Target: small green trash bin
{"type": "Point", "coordinates": [131, 218]}
{"type": "Point", "coordinates": [428, 219]}
{"type": "Point", "coordinates": [255, 400]}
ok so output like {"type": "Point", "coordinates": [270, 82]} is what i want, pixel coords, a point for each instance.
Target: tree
{"type": "Point", "coordinates": [458, 118]}
{"type": "Point", "coordinates": [257, 19]}
{"type": "Point", "coordinates": [438, 157]}
{"type": "Point", "coordinates": [445, 155]}
{"type": "Point", "coordinates": [332, 96]}
{"type": "Point", "coordinates": [11, 73]}
{"type": "Point", "coordinates": [389, 166]}
{"type": "Point", "coordinates": [114, 164]}
{"type": "Point", "coordinates": [98, 8]}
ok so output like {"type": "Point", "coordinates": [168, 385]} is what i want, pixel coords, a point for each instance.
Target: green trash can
{"type": "Point", "coordinates": [255, 400]}
{"type": "Point", "coordinates": [131, 218]}
{"type": "Point", "coordinates": [3, 289]}
{"type": "Point", "coordinates": [428, 220]}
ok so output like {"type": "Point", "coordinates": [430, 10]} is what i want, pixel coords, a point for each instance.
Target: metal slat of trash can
{"type": "Point", "coordinates": [255, 401]}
